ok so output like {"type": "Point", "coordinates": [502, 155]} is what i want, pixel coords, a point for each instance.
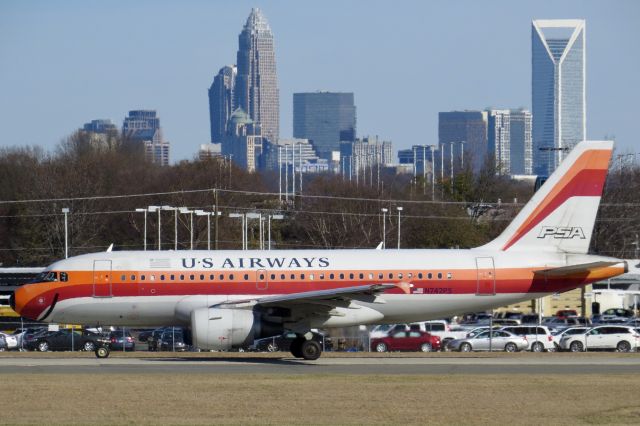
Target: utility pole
{"type": "Point", "coordinates": [65, 210]}
{"type": "Point", "coordinates": [399, 211]}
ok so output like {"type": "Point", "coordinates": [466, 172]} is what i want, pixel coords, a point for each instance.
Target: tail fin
{"type": "Point", "coordinates": [561, 214]}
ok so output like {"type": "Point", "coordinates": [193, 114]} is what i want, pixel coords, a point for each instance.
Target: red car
{"type": "Point", "coordinates": [406, 341]}
{"type": "Point", "coordinates": [566, 313]}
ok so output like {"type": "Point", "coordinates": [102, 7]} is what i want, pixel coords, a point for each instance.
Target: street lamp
{"type": "Point", "coordinates": [185, 210]}
{"type": "Point", "coordinates": [208, 215]}
{"type": "Point", "coordinates": [175, 224]}
{"type": "Point", "coordinates": [242, 217]}
{"type": "Point", "coordinates": [399, 212]}
{"type": "Point", "coordinates": [246, 223]}
{"type": "Point", "coordinates": [275, 217]}
{"type": "Point", "coordinates": [384, 228]}
{"type": "Point", "coordinates": [158, 209]}
{"type": "Point", "coordinates": [65, 210]}
{"type": "Point", "coordinates": [145, 226]}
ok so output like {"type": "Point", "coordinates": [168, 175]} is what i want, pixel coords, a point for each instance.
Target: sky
{"type": "Point", "coordinates": [65, 63]}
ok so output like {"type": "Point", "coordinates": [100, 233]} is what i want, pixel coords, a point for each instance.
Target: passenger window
{"type": "Point", "coordinates": [400, 275]}
{"type": "Point", "coordinates": [282, 276]}
{"type": "Point", "coordinates": [273, 277]}
{"type": "Point", "coordinates": [231, 277]}
{"type": "Point", "coordinates": [201, 277]}
{"type": "Point", "coordinates": [133, 277]}
{"type": "Point", "coordinates": [192, 277]}
{"type": "Point", "coordinates": [293, 276]}
{"type": "Point", "coordinates": [410, 275]}
{"type": "Point", "coordinates": [342, 276]}
{"type": "Point", "coordinates": [261, 277]}
{"type": "Point", "coordinates": [311, 277]}
{"type": "Point", "coordinates": [439, 275]}
{"type": "Point", "coordinates": [152, 277]}
{"type": "Point", "coordinates": [420, 275]}
{"type": "Point", "coordinates": [302, 276]}
{"type": "Point", "coordinates": [449, 276]}
{"type": "Point", "coordinates": [211, 277]}
{"type": "Point", "coordinates": [246, 277]}
{"type": "Point", "coordinates": [380, 275]}
{"type": "Point", "coordinates": [173, 277]}
{"type": "Point", "coordinates": [142, 277]}
{"type": "Point", "coordinates": [351, 276]}
{"type": "Point", "coordinates": [429, 275]}
{"type": "Point", "coordinates": [123, 278]}
{"type": "Point", "coordinates": [221, 277]}
{"type": "Point", "coordinates": [370, 276]}
{"type": "Point", "coordinates": [391, 275]}
{"type": "Point", "coordinates": [322, 276]}
{"type": "Point", "coordinates": [162, 277]}
{"type": "Point", "coordinates": [331, 276]}
{"type": "Point", "coordinates": [182, 277]}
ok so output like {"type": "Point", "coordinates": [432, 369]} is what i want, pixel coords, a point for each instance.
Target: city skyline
{"type": "Point", "coordinates": [70, 90]}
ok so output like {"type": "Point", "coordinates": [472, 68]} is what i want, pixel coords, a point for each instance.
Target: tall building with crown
{"type": "Point", "coordinates": [256, 86]}
{"type": "Point", "coordinates": [558, 90]}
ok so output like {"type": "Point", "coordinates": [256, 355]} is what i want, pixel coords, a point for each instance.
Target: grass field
{"type": "Point", "coordinates": [319, 399]}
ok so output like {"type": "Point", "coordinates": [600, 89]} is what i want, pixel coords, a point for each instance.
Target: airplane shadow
{"type": "Point", "coordinates": [236, 360]}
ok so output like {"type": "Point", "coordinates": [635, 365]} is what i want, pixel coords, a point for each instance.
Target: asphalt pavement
{"type": "Point", "coordinates": [26, 363]}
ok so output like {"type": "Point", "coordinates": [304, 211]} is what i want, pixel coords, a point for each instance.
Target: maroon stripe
{"type": "Point", "coordinates": [586, 183]}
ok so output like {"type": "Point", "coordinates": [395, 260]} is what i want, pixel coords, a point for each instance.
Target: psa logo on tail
{"type": "Point", "coordinates": [562, 232]}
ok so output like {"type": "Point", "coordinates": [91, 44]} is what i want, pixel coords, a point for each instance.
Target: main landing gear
{"type": "Point", "coordinates": [307, 349]}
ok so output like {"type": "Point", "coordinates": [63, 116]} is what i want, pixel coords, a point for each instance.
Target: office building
{"type": "Point", "coordinates": [462, 137]}
{"type": "Point", "coordinates": [498, 139]}
{"type": "Point", "coordinates": [209, 150]}
{"type": "Point", "coordinates": [243, 141]}
{"type": "Point", "coordinates": [520, 144]}
{"type": "Point", "coordinates": [557, 90]}
{"type": "Point", "coordinates": [362, 154]}
{"type": "Point", "coordinates": [256, 86]}
{"type": "Point", "coordinates": [221, 102]}
{"type": "Point", "coordinates": [144, 126]}
{"type": "Point", "coordinates": [421, 159]}
{"type": "Point", "coordinates": [102, 126]}
{"type": "Point", "coordinates": [325, 118]}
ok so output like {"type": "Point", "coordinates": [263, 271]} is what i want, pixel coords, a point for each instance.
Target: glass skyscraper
{"type": "Point", "coordinates": [325, 118]}
{"type": "Point", "coordinates": [256, 87]}
{"type": "Point", "coordinates": [557, 90]}
{"type": "Point", "coordinates": [221, 104]}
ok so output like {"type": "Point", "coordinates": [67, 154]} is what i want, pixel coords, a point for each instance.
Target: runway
{"type": "Point", "coordinates": [26, 363]}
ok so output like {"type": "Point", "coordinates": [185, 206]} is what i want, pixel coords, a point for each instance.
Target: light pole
{"type": "Point", "coordinates": [242, 217]}
{"type": "Point", "coordinates": [275, 217]}
{"type": "Point", "coordinates": [158, 209]}
{"type": "Point", "coordinates": [250, 216]}
{"type": "Point", "coordinates": [175, 224]}
{"type": "Point", "coordinates": [65, 210]}
{"type": "Point", "coordinates": [185, 210]}
{"type": "Point", "coordinates": [208, 215]}
{"type": "Point", "coordinates": [399, 212]}
{"type": "Point", "coordinates": [145, 226]}
{"type": "Point", "coordinates": [384, 228]}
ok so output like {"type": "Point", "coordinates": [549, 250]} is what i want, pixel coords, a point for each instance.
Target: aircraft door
{"type": "Point", "coordinates": [102, 278]}
{"type": "Point", "coordinates": [486, 276]}
{"type": "Point", "coordinates": [262, 280]}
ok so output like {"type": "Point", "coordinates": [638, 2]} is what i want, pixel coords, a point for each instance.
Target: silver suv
{"type": "Point", "coordinates": [538, 336]}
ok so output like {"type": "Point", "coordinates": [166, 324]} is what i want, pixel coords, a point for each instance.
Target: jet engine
{"type": "Point", "coordinates": [222, 329]}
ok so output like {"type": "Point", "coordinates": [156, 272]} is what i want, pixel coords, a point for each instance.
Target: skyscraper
{"type": "Point", "coordinates": [557, 90]}
{"type": "Point", "coordinates": [466, 133]}
{"type": "Point", "coordinates": [499, 139]}
{"type": "Point", "coordinates": [325, 118]}
{"type": "Point", "coordinates": [243, 141]}
{"type": "Point", "coordinates": [144, 126]}
{"type": "Point", "coordinates": [521, 160]}
{"type": "Point", "coordinates": [221, 103]}
{"type": "Point", "coordinates": [256, 88]}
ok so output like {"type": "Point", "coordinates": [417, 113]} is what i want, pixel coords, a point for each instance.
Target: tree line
{"type": "Point", "coordinates": [91, 176]}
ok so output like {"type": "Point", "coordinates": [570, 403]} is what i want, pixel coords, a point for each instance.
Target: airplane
{"type": "Point", "coordinates": [230, 298]}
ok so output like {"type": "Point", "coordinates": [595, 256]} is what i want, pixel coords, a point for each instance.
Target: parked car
{"type": "Point", "coordinates": [531, 319]}
{"type": "Point", "coordinates": [440, 328]}
{"type": "Point", "coordinates": [283, 343]}
{"type": "Point", "coordinates": [144, 335]}
{"type": "Point", "coordinates": [558, 334]}
{"type": "Point", "coordinates": [64, 340]}
{"type": "Point", "coordinates": [538, 336]}
{"type": "Point", "coordinates": [566, 313]}
{"type": "Point", "coordinates": [618, 312]}
{"type": "Point", "coordinates": [612, 337]}
{"type": "Point", "coordinates": [560, 323]}
{"type": "Point", "coordinates": [172, 340]}
{"type": "Point", "coordinates": [3, 343]}
{"type": "Point", "coordinates": [119, 340]}
{"type": "Point", "coordinates": [11, 341]}
{"type": "Point", "coordinates": [154, 338]}
{"type": "Point", "coordinates": [499, 340]}
{"type": "Point", "coordinates": [29, 336]}
{"type": "Point", "coordinates": [383, 329]}
{"type": "Point", "coordinates": [406, 341]}
{"type": "Point", "coordinates": [510, 315]}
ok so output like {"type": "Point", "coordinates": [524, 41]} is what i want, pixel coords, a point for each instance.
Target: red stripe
{"type": "Point", "coordinates": [586, 183]}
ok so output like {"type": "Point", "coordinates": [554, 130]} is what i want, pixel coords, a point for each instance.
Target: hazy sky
{"type": "Point", "coordinates": [64, 63]}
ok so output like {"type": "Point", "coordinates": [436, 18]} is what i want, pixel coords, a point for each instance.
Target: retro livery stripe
{"type": "Point", "coordinates": [585, 179]}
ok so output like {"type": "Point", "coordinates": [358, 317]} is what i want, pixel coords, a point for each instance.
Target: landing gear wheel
{"type": "Point", "coordinates": [311, 350]}
{"type": "Point", "coordinates": [102, 352]}
{"type": "Point", "coordinates": [296, 347]}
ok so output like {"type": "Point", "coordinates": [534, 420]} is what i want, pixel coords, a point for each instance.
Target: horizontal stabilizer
{"type": "Point", "coordinates": [583, 268]}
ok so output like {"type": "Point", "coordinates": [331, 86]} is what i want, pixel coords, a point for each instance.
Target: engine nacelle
{"type": "Point", "coordinates": [222, 329]}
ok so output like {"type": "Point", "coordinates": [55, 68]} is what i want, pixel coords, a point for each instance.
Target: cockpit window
{"type": "Point", "coordinates": [47, 277]}
{"type": "Point", "coordinates": [64, 277]}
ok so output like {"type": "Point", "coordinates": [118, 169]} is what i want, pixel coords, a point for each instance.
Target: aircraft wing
{"type": "Point", "coordinates": [572, 270]}
{"type": "Point", "coordinates": [329, 297]}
